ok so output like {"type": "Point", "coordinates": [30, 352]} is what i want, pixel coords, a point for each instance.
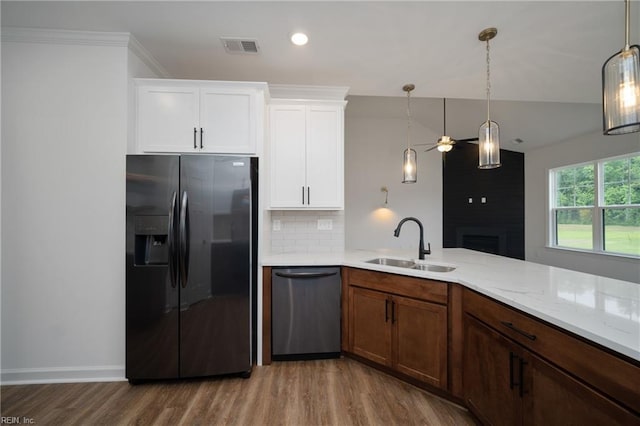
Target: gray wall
{"type": "Point", "coordinates": [537, 164]}
{"type": "Point", "coordinates": [374, 143]}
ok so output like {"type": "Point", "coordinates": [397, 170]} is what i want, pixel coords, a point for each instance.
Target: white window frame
{"type": "Point", "coordinates": [597, 210]}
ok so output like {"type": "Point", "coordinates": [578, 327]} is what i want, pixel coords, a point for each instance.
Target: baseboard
{"type": "Point", "coordinates": [24, 376]}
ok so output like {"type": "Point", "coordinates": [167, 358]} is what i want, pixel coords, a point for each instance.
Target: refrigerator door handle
{"type": "Point", "coordinates": [184, 239]}
{"type": "Point", "coordinates": [171, 238]}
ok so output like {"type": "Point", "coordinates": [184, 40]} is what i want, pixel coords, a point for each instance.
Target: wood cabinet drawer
{"type": "Point", "coordinates": [419, 288]}
{"type": "Point", "coordinates": [611, 374]}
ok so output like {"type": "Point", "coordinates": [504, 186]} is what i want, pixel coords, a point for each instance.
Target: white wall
{"type": "Point", "coordinates": [374, 143]}
{"type": "Point", "coordinates": [537, 164]}
{"type": "Point", "coordinates": [64, 136]}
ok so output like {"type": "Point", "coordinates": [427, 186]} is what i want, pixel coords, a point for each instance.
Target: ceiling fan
{"type": "Point", "coordinates": [445, 143]}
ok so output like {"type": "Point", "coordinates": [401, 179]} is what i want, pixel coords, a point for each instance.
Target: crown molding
{"type": "Point", "coordinates": [49, 36]}
{"type": "Point", "coordinates": [325, 93]}
{"type": "Point", "coordinates": [143, 54]}
{"type": "Point", "coordinates": [83, 38]}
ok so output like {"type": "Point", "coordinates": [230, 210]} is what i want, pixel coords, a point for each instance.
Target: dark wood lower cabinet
{"type": "Point", "coordinates": [490, 378]}
{"type": "Point", "coordinates": [505, 384]}
{"type": "Point", "coordinates": [420, 340]}
{"type": "Point", "coordinates": [370, 331]}
{"type": "Point", "coordinates": [555, 398]}
{"type": "Point", "coordinates": [404, 333]}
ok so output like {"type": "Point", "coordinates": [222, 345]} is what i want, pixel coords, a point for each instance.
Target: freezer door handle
{"type": "Point", "coordinates": [184, 239]}
{"type": "Point", "coordinates": [304, 275]}
{"type": "Point", "coordinates": [171, 239]}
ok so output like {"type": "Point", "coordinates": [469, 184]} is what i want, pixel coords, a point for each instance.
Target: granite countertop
{"type": "Point", "coordinates": [603, 310]}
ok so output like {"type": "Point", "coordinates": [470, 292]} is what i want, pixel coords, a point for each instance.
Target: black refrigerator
{"type": "Point", "coordinates": [190, 263]}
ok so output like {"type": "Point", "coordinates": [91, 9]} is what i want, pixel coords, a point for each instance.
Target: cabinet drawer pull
{"type": "Point", "coordinates": [303, 195]}
{"type": "Point", "coordinates": [517, 330]}
{"type": "Point", "coordinates": [195, 134]}
{"type": "Point", "coordinates": [201, 133]}
{"type": "Point", "coordinates": [308, 195]}
{"type": "Point", "coordinates": [386, 310]}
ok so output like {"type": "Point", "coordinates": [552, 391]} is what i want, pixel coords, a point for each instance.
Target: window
{"type": "Point", "coordinates": [596, 206]}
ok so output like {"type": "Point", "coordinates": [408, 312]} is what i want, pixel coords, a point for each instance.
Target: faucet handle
{"type": "Point", "coordinates": [428, 249]}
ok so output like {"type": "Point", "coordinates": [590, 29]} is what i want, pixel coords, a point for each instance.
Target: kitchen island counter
{"type": "Point", "coordinates": [603, 310]}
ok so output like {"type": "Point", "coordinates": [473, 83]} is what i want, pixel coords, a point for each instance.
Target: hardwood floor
{"type": "Point", "coordinates": [323, 392]}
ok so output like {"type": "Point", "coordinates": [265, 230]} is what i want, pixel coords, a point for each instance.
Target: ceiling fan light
{"type": "Point", "coordinates": [445, 147]}
{"type": "Point", "coordinates": [489, 145]}
{"type": "Point", "coordinates": [621, 92]}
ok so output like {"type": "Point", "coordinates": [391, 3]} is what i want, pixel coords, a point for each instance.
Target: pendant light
{"type": "Point", "coordinates": [409, 158]}
{"type": "Point", "coordinates": [489, 133]}
{"type": "Point", "coordinates": [621, 87]}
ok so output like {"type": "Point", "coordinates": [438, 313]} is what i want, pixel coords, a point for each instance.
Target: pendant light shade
{"type": "Point", "coordinates": [409, 157]}
{"type": "Point", "coordinates": [409, 166]}
{"type": "Point", "coordinates": [489, 145]}
{"type": "Point", "coordinates": [489, 133]}
{"type": "Point", "coordinates": [621, 88]}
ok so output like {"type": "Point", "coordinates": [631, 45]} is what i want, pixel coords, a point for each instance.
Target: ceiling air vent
{"type": "Point", "coordinates": [238, 45]}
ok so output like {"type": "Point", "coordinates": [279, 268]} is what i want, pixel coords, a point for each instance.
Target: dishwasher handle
{"type": "Point", "coordinates": [305, 275]}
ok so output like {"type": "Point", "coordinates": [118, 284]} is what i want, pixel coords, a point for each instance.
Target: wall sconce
{"type": "Point", "coordinates": [386, 196]}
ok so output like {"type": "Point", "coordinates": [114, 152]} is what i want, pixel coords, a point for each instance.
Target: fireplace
{"type": "Point", "coordinates": [485, 239]}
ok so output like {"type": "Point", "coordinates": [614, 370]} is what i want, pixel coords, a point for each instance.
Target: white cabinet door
{"type": "Point", "coordinates": [288, 133]}
{"type": "Point", "coordinates": [325, 153]}
{"type": "Point", "coordinates": [307, 156]}
{"type": "Point", "coordinates": [199, 116]}
{"type": "Point", "coordinates": [167, 118]}
{"type": "Point", "coordinates": [227, 120]}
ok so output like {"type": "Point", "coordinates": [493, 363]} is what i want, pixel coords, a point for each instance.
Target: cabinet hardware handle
{"type": "Point", "coordinates": [308, 196]}
{"type": "Point", "coordinates": [386, 310]}
{"type": "Point", "coordinates": [522, 364]}
{"type": "Point", "coordinates": [393, 312]}
{"type": "Point", "coordinates": [201, 132]}
{"type": "Point", "coordinates": [303, 195]}
{"type": "Point", "coordinates": [517, 330]}
{"type": "Point", "coordinates": [305, 275]}
{"type": "Point", "coordinates": [512, 356]}
{"type": "Point", "coordinates": [195, 133]}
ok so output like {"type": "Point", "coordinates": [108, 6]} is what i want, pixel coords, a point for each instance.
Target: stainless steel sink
{"type": "Point", "coordinates": [433, 268]}
{"type": "Point", "coordinates": [401, 263]}
{"type": "Point", "coordinates": [410, 264]}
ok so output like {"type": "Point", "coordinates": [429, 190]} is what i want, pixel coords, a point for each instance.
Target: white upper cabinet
{"type": "Point", "coordinates": [199, 116]}
{"type": "Point", "coordinates": [306, 154]}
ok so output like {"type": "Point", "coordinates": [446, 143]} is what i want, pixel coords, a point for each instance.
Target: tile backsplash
{"type": "Point", "coordinates": [298, 231]}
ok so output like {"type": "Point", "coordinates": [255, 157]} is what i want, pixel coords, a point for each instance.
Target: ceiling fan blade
{"type": "Point", "coordinates": [467, 140]}
{"type": "Point", "coordinates": [431, 149]}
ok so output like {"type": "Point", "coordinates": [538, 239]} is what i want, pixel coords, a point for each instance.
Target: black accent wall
{"type": "Point", "coordinates": [496, 226]}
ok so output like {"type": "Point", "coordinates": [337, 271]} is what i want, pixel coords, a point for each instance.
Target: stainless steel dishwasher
{"type": "Point", "coordinates": [305, 310]}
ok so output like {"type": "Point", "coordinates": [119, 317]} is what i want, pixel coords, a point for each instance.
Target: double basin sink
{"type": "Point", "coordinates": [410, 264]}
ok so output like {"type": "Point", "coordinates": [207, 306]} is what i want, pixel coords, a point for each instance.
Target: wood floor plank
{"type": "Point", "coordinates": [325, 392]}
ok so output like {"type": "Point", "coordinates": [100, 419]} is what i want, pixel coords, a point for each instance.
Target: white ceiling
{"type": "Point", "coordinates": [545, 51]}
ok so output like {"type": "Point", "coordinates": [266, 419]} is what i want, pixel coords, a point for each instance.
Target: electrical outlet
{"type": "Point", "coordinates": [325, 224]}
{"type": "Point", "coordinates": [276, 225]}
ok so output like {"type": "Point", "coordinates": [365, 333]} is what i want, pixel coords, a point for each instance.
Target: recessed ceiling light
{"type": "Point", "coordinates": [299, 39]}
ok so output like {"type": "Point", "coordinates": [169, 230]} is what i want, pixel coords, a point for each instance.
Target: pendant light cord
{"type": "Point", "coordinates": [408, 118]}
{"type": "Point", "coordinates": [444, 116]}
{"type": "Point", "coordinates": [627, 10]}
{"type": "Point", "coordinates": [488, 82]}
